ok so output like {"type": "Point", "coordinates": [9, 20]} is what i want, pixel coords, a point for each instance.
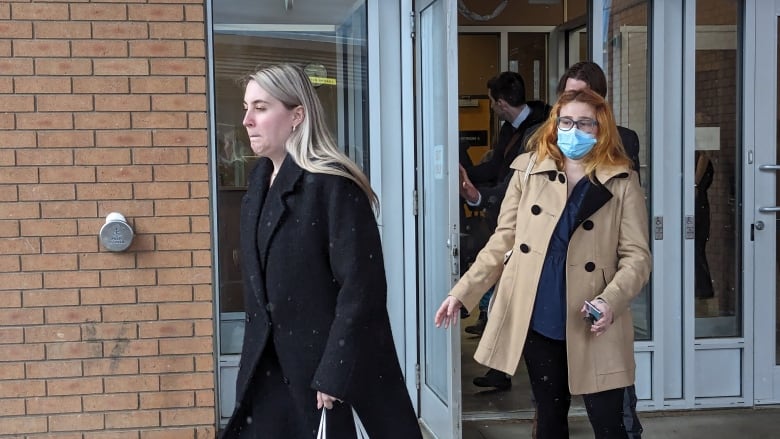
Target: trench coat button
{"type": "Point", "coordinates": [551, 176]}
{"type": "Point", "coordinates": [286, 380]}
{"type": "Point", "coordinates": [561, 178]}
{"type": "Point", "coordinates": [587, 225]}
{"type": "Point", "coordinates": [535, 209]}
{"type": "Point", "coordinates": [590, 266]}
{"type": "Point", "coordinates": [524, 248]}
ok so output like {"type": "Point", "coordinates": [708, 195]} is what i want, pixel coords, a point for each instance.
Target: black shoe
{"type": "Point", "coordinates": [478, 327]}
{"type": "Point", "coordinates": [494, 378]}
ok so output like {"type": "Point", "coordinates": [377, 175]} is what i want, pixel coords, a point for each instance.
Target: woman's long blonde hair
{"type": "Point", "coordinates": [608, 149]}
{"type": "Point", "coordinates": [311, 145]}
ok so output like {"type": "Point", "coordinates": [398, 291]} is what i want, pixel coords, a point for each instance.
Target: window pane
{"type": "Point", "coordinates": [626, 65]}
{"type": "Point", "coordinates": [328, 38]}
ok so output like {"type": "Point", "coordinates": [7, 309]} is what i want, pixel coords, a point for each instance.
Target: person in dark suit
{"type": "Point", "coordinates": [317, 330]}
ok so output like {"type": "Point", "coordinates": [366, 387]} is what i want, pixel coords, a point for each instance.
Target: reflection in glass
{"type": "Point", "coordinates": [717, 177]}
{"type": "Point", "coordinates": [327, 38]}
{"type": "Point", "coordinates": [626, 65]}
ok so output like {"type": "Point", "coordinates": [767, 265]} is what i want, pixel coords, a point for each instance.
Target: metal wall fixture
{"type": "Point", "coordinates": [116, 235]}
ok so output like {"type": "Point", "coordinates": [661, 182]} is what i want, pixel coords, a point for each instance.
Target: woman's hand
{"type": "Point", "coordinates": [599, 326]}
{"type": "Point", "coordinates": [448, 313]}
{"type": "Point", "coordinates": [325, 400]}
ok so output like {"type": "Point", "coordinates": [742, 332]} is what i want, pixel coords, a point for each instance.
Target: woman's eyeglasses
{"type": "Point", "coordinates": [586, 125]}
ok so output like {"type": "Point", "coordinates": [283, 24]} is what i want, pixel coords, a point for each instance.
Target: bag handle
{"type": "Point", "coordinates": [359, 428]}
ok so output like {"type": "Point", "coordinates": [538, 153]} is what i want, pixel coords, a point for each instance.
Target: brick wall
{"type": "Point", "coordinates": [102, 109]}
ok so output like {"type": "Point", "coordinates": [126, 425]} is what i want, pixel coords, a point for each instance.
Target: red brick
{"type": "Point", "coordinates": [47, 192]}
{"type": "Point", "coordinates": [121, 401]}
{"type": "Point", "coordinates": [10, 299]}
{"type": "Point", "coordinates": [44, 121]}
{"type": "Point", "coordinates": [199, 155]}
{"type": "Point", "coordinates": [41, 48]}
{"type": "Point", "coordinates": [131, 348]}
{"type": "Point", "coordinates": [200, 189]}
{"type": "Point", "coordinates": [102, 261]}
{"type": "Point", "coordinates": [11, 371]}
{"type": "Point", "coordinates": [162, 225]}
{"type": "Point", "coordinates": [42, 85]}
{"type": "Point", "coordinates": [63, 30]}
{"type": "Point", "coordinates": [189, 241]}
{"type": "Point", "coordinates": [129, 313]}
{"type": "Point", "coordinates": [51, 333]}
{"type": "Point", "coordinates": [185, 138]}
{"type": "Point", "coordinates": [20, 103]}
{"type": "Point", "coordinates": [39, 11]}
{"type": "Point", "coordinates": [5, 49]}
{"type": "Point", "coordinates": [99, 48]}
{"type": "Point", "coordinates": [193, 13]}
{"type": "Point", "coordinates": [7, 193]}
{"type": "Point", "coordinates": [204, 328]}
{"type": "Point", "coordinates": [143, 383]}
{"type": "Point", "coordinates": [102, 191]}
{"type": "Point", "coordinates": [190, 381]}
{"type": "Point", "coordinates": [158, 84]}
{"type": "Point", "coordinates": [175, 31]}
{"type": "Point", "coordinates": [109, 331]}
{"type": "Point", "coordinates": [171, 433]}
{"type": "Point", "coordinates": [73, 314]}
{"type": "Point", "coordinates": [36, 157]}
{"type": "Point", "coordinates": [174, 276]}
{"type": "Point", "coordinates": [17, 281]}
{"type": "Point", "coordinates": [183, 207]}
{"type": "Point", "coordinates": [11, 335]}
{"type": "Point", "coordinates": [98, 12]}
{"type": "Point", "coordinates": [194, 345]}
{"type": "Point", "coordinates": [159, 190]}
{"type": "Point", "coordinates": [183, 66]}
{"type": "Point", "coordinates": [167, 400]}
{"type": "Point", "coordinates": [101, 85]}
{"type": "Point", "coordinates": [25, 424]}
{"type": "Point", "coordinates": [124, 173]}
{"type": "Point", "coordinates": [13, 317]}
{"type": "Point", "coordinates": [21, 389]}
{"type": "Point", "coordinates": [67, 174]}
{"type": "Point", "coordinates": [113, 434]}
{"type": "Point", "coordinates": [9, 229]}
{"type": "Point", "coordinates": [80, 279]}
{"type": "Point", "coordinates": [19, 352]}
{"type": "Point", "coordinates": [53, 369]}
{"type": "Point", "coordinates": [121, 66]}
{"type": "Point", "coordinates": [118, 278]}
{"type": "Point", "coordinates": [120, 102]}
{"type": "Point", "coordinates": [67, 350]}
{"type": "Point", "coordinates": [65, 103]}
{"type": "Point", "coordinates": [74, 386]}
{"type": "Point", "coordinates": [49, 262]}
{"type": "Point", "coordinates": [156, 12]}
{"type": "Point", "coordinates": [19, 66]}
{"type": "Point", "coordinates": [113, 366]}
{"type": "Point", "coordinates": [130, 209]}
{"type": "Point", "coordinates": [159, 120]}
{"type": "Point", "coordinates": [193, 416]}
{"type": "Point", "coordinates": [18, 139]}
{"type": "Point", "coordinates": [157, 49]}
{"type": "Point", "coordinates": [167, 293]}
{"type": "Point", "coordinates": [166, 329]}
{"type": "Point", "coordinates": [102, 156]}
{"type": "Point", "coordinates": [124, 138]}
{"type": "Point", "coordinates": [180, 103]}
{"type": "Point", "coordinates": [120, 31]}
{"type": "Point", "coordinates": [196, 85]}
{"type": "Point", "coordinates": [133, 419]}
{"type": "Point", "coordinates": [94, 296]}
{"type": "Point", "coordinates": [204, 398]}
{"type": "Point", "coordinates": [53, 404]}
{"type": "Point", "coordinates": [18, 175]}
{"type": "Point", "coordinates": [70, 209]}
{"type": "Point", "coordinates": [69, 244]}
{"type": "Point", "coordinates": [101, 120]}
{"type": "Point", "coordinates": [11, 407]}
{"type": "Point", "coordinates": [7, 159]}
{"type": "Point", "coordinates": [58, 297]}
{"type": "Point", "coordinates": [70, 67]}
{"type": "Point", "coordinates": [48, 227]}
{"type": "Point", "coordinates": [160, 156]}
{"type": "Point", "coordinates": [16, 29]}
{"type": "Point", "coordinates": [79, 422]}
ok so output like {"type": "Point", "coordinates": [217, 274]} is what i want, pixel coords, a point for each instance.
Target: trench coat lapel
{"type": "Point", "coordinates": [250, 213]}
{"type": "Point", "coordinates": [598, 195]}
{"type": "Point", "coordinates": [275, 206]}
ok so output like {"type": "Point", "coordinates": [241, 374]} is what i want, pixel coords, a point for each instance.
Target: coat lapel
{"type": "Point", "coordinates": [250, 214]}
{"type": "Point", "coordinates": [598, 194]}
{"type": "Point", "coordinates": [275, 206]}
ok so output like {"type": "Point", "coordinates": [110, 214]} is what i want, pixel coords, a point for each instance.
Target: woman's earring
{"type": "Point", "coordinates": [294, 127]}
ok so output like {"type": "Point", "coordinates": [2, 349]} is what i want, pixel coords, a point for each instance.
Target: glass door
{"type": "Point", "coordinates": [436, 64]}
{"type": "Point", "coordinates": [764, 168]}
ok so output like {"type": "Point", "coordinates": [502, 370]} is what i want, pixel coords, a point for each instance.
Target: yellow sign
{"type": "Point", "coordinates": [319, 80]}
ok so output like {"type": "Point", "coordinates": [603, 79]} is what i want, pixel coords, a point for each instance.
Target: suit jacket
{"type": "Point", "coordinates": [608, 257]}
{"type": "Point", "coordinates": [314, 285]}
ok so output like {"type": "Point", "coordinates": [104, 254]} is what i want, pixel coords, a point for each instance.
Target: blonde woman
{"type": "Point", "coordinates": [317, 330]}
{"type": "Point", "coordinates": [572, 228]}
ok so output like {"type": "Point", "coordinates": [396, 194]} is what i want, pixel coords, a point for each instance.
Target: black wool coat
{"type": "Point", "coordinates": [315, 292]}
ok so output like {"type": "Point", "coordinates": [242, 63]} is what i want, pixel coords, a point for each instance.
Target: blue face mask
{"type": "Point", "coordinates": [575, 144]}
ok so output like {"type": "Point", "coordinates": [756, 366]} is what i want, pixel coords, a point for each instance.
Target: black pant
{"type": "Point", "coordinates": [545, 360]}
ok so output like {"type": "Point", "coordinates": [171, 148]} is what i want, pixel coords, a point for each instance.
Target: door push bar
{"type": "Point", "coordinates": [769, 168]}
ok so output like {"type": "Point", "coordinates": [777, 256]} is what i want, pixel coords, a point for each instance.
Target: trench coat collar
{"type": "Point", "coordinates": [603, 173]}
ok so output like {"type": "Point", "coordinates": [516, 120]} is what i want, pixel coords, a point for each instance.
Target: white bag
{"type": "Point", "coordinates": [359, 428]}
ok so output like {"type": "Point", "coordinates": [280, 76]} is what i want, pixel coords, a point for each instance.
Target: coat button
{"type": "Point", "coordinates": [590, 266]}
{"type": "Point", "coordinates": [286, 380]}
{"type": "Point", "coordinates": [524, 248]}
{"type": "Point", "coordinates": [562, 178]}
{"type": "Point", "coordinates": [551, 176]}
{"type": "Point", "coordinates": [536, 210]}
{"type": "Point", "coordinates": [248, 318]}
{"type": "Point", "coordinates": [269, 323]}
{"type": "Point", "coordinates": [587, 225]}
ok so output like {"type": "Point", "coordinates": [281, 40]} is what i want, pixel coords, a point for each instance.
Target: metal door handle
{"type": "Point", "coordinates": [769, 209]}
{"type": "Point", "coordinates": [769, 167]}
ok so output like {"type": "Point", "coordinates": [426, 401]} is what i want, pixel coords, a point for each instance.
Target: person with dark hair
{"type": "Point", "coordinates": [571, 251]}
{"type": "Point", "coordinates": [317, 341]}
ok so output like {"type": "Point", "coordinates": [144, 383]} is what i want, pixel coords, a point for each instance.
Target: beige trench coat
{"type": "Point", "coordinates": [608, 257]}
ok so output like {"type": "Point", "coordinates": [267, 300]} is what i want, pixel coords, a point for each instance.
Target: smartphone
{"type": "Point", "coordinates": [593, 313]}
